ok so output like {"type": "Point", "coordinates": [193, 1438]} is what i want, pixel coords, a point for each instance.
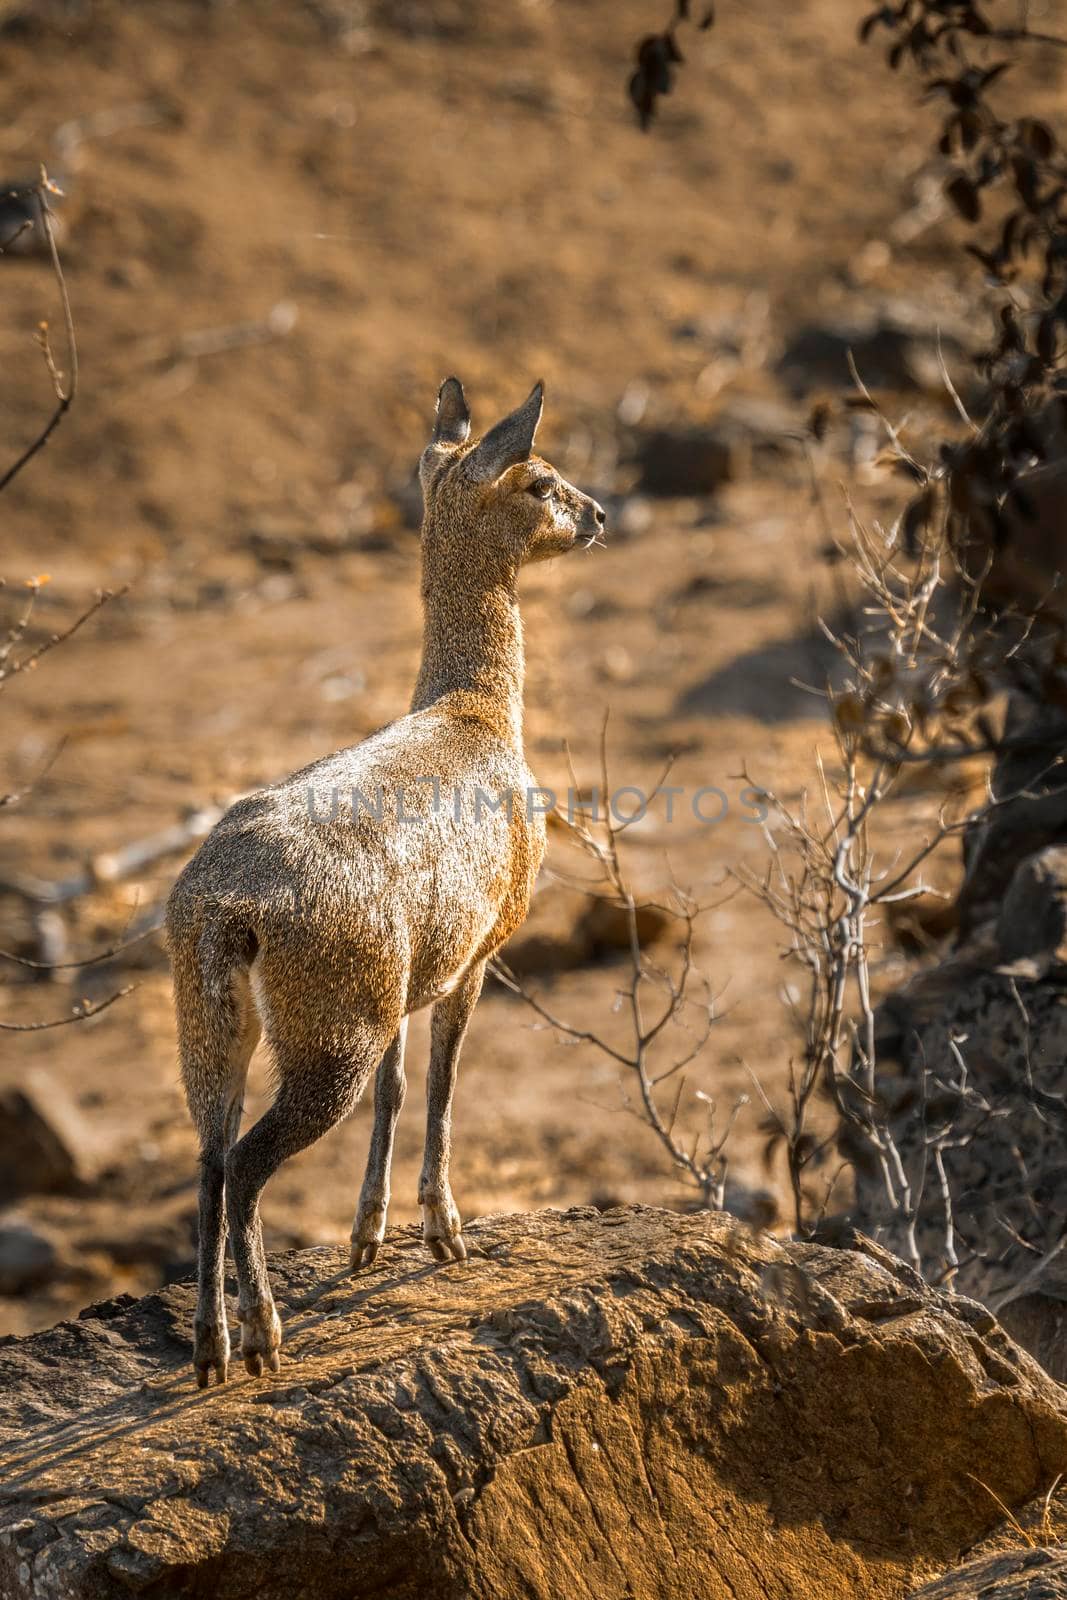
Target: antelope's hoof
{"type": "Point", "coordinates": [211, 1352]}
{"type": "Point", "coordinates": [364, 1255]}
{"type": "Point", "coordinates": [368, 1231]}
{"type": "Point", "coordinates": [448, 1249]}
{"type": "Point", "coordinates": [261, 1337]}
{"type": "Point", "coordinates": [441, 1232]}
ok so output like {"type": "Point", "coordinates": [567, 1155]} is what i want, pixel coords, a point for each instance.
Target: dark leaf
{"type": "Point", "coordinates": [1001, 532]}
{"type": "Point", "coordinates": [989, 262]}
{"type": "Point", "coordinates": [869, 23]}
{"type": "Point", "coordinates": [654, 61]}
{"type": "Point", "coordinates": [989, 168]}
{"type": "Point", "coordinates": [1011, 337]}
{"type": "Point", "coordinates": [1024, 439]}
{"type": "Point", "coordinates": [1046, 338]}
{"type": "Point", "coordinates": [804, 1148]}
{"type": "Point", "coordinates": [643, 97]}
{"type": "Point", "coordinates": [970, 128]}
{"type": "Point", "coordinates": [962, 92]}
{"type": "Point", "coordinates": [964, 196]}
{"type": "Point", "coordinates": [819, 420]}
{"type": "Point", "coordinates": [916, 519]}
{"type": "Point", "coordinates": [991, 74]}
{"type": "Point", "coordinates": [1037, 136]}
{"type": "Point", "coordinates": [1024, 173]}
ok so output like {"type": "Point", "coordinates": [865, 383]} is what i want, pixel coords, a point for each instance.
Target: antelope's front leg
{"type": "Point", "coordinates": [441, 1225]}
{"type": "Point", "coordinates": [368, 1229]}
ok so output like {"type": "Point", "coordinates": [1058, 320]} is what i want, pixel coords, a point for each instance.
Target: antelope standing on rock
{"type": "Point", "coordinates": [329, 932]}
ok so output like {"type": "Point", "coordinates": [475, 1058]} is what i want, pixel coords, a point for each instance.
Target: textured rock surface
{"type": "Point", "coordinates": [1025, 1574]}
{"type": "Point", "coordinates": [629, 1403]}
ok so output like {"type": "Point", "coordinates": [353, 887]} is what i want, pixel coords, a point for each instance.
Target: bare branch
{"type": "Point", "coordinates": [65, 394]}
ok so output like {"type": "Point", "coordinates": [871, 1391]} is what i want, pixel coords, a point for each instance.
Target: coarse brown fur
{"type": "Point", "coordinates": [326, 908]}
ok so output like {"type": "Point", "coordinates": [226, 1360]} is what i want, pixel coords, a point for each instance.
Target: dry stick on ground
{"type": "Point", "coordinates": [65, 393]}
{"type": "Point", "coordinates": [703, 1162]}
{"type": "Point", "coordinates": [12, 665]}
{"type": "Point", "coordinates": [84, 1010]}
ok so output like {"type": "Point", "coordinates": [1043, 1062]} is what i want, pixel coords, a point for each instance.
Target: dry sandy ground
{"type": "Point", "coordinates": [461, 188]}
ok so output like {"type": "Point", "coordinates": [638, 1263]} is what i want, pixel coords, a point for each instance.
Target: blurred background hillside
{"type": "Point", "coordinates": [282, 226]}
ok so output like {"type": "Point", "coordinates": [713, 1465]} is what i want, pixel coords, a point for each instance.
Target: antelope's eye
{"type": "Point", "coordinates": [541, 488]}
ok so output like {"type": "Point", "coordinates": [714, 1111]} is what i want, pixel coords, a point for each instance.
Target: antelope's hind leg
{"type": "Point", "coordinates": [317, 1088]}
{"type": "Point", "coordinates": [216, 1045]}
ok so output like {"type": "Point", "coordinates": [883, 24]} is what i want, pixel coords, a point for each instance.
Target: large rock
{"type": "Point", "coordinates": [1025, 565]}
{"type": "Point", "coordinates": [630, 1403]}
{"type": "Point", "coordinates": [892, 352]}
{"type": "Point", "coordinates": [1024, 1559]}
{"type": "Point", "coordinates": [682, 461]}
{"type": "Point", "coordinates": [567, 929]}
{"type": "Point", "coordinates": [27, 1256]}
{"type": "Point", "coordinates": [46, 1148]}
{"type": "Point", "coordinates": [1031, 810]}
{"type": "Point", "coordinates": [1030, 1573]}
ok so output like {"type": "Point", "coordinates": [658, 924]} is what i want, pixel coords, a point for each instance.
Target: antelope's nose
{"type": "Point", "coordinates": [595, 515]}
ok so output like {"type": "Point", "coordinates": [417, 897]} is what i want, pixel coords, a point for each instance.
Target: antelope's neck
{"type": "Point", "coordinates": [472, 650]}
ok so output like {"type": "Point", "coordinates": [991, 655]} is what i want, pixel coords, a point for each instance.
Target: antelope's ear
{"type": "Point", "coordinates": [451, 427]}
{"type": "Point", "coordinates": [452, 423]}
{"type": "Point", "coordinates": [510, 442]}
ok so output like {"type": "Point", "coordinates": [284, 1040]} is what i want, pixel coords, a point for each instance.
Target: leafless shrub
{"type": "Point", "coordinates": [912, 692]}
{"type": "Point", "coordinates": [661, 1003]}
{"type": "Point", "coordinates": [932, 649]}
{"type": "Point", "coordinates": [922, 680]}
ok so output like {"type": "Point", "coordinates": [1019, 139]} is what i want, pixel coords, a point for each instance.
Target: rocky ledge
{"type": "Point", "coordinates": [628, 1403]}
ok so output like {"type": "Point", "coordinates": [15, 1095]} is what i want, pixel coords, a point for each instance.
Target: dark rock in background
{"type": "Point", "coordinates": [44, 1144]}
{"type": "Point", "coordinates": [681, 461]}
{"type": "Point", "coordinates": [888, 355]}
{"type": "Point", "coordinates": [27, 1256]}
